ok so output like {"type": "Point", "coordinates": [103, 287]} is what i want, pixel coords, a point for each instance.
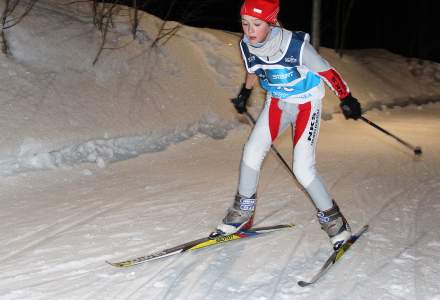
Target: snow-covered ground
{"type": "Point", "coordinates": [107, 163]}
{"type": "Point", "coordinates": [60, 226]}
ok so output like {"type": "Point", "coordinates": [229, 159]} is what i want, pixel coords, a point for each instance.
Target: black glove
{"type": "Point", "coordinates": [351, 108]}
{"type": "Point", "coordinates": [241, 100]}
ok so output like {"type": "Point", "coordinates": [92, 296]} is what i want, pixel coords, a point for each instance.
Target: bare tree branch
{"type": "Point", "coordinates": [103, 13]}
{"type": "Point", "coordinates": [104, 28]}
{"type": "Point", "coordinates": [163, 31]}
{"type": "Point", "coordinates": [3, 36]}
{"type": "Point", "coordinates": [6, 23]}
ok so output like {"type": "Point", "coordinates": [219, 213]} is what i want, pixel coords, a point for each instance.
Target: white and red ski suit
{"type": "Point", "coordinates": [292, 73]}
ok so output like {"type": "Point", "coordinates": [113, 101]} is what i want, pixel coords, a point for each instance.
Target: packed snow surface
{"type": "Point", "coordinates": [141, 152]}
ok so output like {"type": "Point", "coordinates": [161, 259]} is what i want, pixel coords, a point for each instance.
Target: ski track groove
{"type": "Point", "coordinates": [202, 274]}
{"type": "Point", "coordinates": [192, 285]}
{"type": "Point", "coordinates": [71, 290]}
{"type": "Point", "coordinates": [271, 215]}
{"type": "Point", "coordinates": [427, 189]}
{"type": "Point", "coordinates": [232, 256]}
{"type": "Point", "coordinates": [56, 279]}
{"type": "Point", "coordinates": [286, 265]}
{"type": "Point", "coordinates": [388, 260]}
{"type": "Point", "coordinates": [139, 286]}
{"type": "Point", "coordinates": [30, 274]}
{"type": "Point", "coordinates": [371, 274]}
{"type": "Point", "coordinates": [340, 178]}
{"type": "Point", "coordinates": [415, 188]}
{"type": "Point", "coordinates": [63, 228]}
{"type": "Point", "coordinates": [218, 274]}
{"type": "Point", "coordinates": [392, 199]}
{"type": "Point", "coordinates": [183, 273]}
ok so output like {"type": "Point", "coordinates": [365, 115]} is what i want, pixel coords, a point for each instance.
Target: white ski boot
{"type": "Point", "coordinates": [335, 225]}
{"type": "Point", "coordinates": [239, 217]}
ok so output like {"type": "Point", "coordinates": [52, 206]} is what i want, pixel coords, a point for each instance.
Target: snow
{"type": "Point", "coordinates": [141, 152]}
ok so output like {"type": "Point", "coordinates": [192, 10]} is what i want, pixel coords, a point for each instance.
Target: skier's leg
{"type": "Point", "coordinates": [267, 128]}
{"type": "Point", "coordinates": [305, 139]}
{"type": "Point", "coordinates": [306, 131]}
{"type": "Point", "coordinates": [271, 122]}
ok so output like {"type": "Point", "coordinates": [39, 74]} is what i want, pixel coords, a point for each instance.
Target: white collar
{"type": "Point", "coordinates": [270, 47]}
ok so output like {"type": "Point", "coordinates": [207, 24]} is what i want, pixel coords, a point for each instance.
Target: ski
{"type": "Point", "coordinates": [334, 257]}
{"type": "Point", "coordinates": [198, 244]}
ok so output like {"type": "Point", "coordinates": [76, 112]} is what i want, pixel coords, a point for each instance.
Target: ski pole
{"type": "Point", "coordinates": [417, 150]}
{"type": "Point", "coordinates": [278, 154]}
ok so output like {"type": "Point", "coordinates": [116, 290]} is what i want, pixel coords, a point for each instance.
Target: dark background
{"type": "Point", "coordinates": [409, 28]}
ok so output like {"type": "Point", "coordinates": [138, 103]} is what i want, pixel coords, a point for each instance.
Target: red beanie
{"type": "Point", "coordinates": [266, 10]}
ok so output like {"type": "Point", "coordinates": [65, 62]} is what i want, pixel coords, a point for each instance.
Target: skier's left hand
{"type": "Point", "coordinates": [351, 108]}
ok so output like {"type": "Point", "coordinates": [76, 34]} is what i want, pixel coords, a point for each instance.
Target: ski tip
{"type": "Point", "coordinates": [111, 264]}
{"type": "Point", "coordinates": [303, 283]}
{"type": "Point", "coordinates": [364, 228]}
{"type": "Point", "coordinates": [120, 264]}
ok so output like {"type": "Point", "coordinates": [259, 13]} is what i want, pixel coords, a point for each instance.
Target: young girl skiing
{"type": "Point", "coordinates": [292, 73]}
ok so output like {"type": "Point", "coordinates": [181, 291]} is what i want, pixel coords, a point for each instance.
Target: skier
{"type": "Point", "coordinates": [292, 73]}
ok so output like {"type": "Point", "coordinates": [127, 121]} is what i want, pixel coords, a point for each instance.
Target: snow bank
{"type": "Point", "coordinates": [59, 108]}
{"type": "Point", "coordinates": [55, 100]}
{"type": "Point", "coordinates": [103, 151]}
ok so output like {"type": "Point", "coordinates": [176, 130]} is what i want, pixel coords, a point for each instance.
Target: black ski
{"type": "Point", "coordinates": [336, 255]}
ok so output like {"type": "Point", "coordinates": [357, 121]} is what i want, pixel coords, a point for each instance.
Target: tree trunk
{"type": "Point", "coordinates": [316, 24]}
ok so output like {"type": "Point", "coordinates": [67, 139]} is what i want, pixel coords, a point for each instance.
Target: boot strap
{"type": "Point", "coordinates": [329, 215]}
{"type": "Point", "coordinates": [244, 203]}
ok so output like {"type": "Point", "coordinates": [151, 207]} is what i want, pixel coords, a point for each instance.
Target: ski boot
{"type": "Point", "coordinates": [335, 225]}
{"type": "Point", "coordinates": [239, 217]}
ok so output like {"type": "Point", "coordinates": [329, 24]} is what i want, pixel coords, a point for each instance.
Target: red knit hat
{"type": "Point", "coordinates": [266, 10]}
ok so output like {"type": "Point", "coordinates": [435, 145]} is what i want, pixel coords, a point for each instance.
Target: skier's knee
{"type": "Point", "coordinates": [304, 174]}
{"type": "Point", "coordinates": [254, 156]}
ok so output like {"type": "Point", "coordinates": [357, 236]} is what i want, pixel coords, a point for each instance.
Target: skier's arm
{"type": "Point", "coordinates": [250, 81]}
{"type": "Point", "coordinates": [311, 59]}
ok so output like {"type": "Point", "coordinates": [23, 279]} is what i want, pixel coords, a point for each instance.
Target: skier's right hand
{"type": "Point", "coordinates": [241, 100]}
